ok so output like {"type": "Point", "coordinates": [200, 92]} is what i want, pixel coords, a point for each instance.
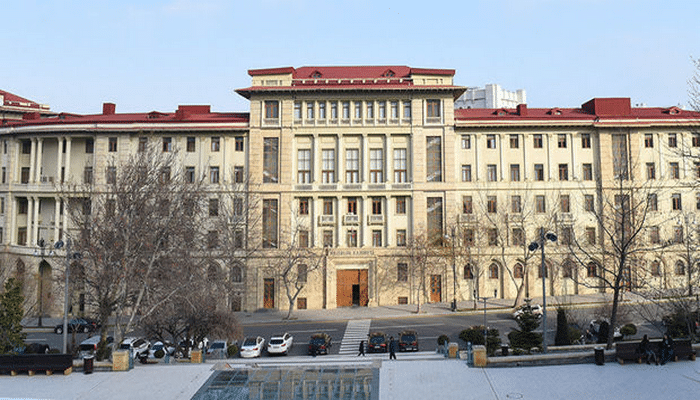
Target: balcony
{"type": "Point", "coordinates": [47, 179]}
{"type": "Point", "coordinates": [565, 217]}
{"type": "Point", "coordinates": [326, 220]}
{"type": "Point", "coordinates": [375, 219]}
{"type": "Point", "coordinates": [351, 219]}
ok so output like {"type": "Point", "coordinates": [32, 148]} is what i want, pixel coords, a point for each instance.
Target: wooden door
{"type": "Point", "coordinates": [269, 293]}
{"type": "Point", "coordinates": [435, 288]}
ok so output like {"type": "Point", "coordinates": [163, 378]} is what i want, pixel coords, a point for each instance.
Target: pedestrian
{"type": "Point", "coordinates": [362, 349]}
{"type": "Point", "coordinates": [392, 348]}
{"type": "Point", "coordinates": [666, 348]}
{"type": "Point", "coordinates": [646, 351]}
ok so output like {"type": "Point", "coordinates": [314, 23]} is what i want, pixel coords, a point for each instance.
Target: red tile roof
{"type": "Point", "coordinates": [12, 100]}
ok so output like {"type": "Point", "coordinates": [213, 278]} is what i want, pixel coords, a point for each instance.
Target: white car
{"type": "Point", "coordinates": [218, 349]}
{"type": "Point", "coordinates": [137, 346]}
{"type": "Point", "coordinates": [167, 348]}
{"type": "Point", "coordinates": [280, 344]}
{"type": "Point", "coordinates": [536, 310]}
{"type": "Point", "coordinates": [252, 347]}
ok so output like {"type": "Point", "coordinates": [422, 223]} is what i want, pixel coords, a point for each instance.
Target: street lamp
{"type": "Point", "coordinates": [454, 271]}
{"type": "Point", "coordinates": [69, 256]}
{"type": "Point", "coordinates": [484, 298]}
{"type": "Point", "coordinates": [533, 247]}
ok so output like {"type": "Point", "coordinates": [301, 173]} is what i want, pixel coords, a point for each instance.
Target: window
{"type": "Point", "coordinates": [567, 269]}
{"type": "Point", "coordinates": [491, 173]}
{"type": "Point", "coordinates": [466, 173]}
{"type": "Point", "coordinates": [561, 140]}
{"type": "Point", "coordinates": [468, 237]}
{"type": "Point", "coordinates": [516, 204]}
{"type": "Point", "coordinates": [382, 110]}
{"type": "Point", "coordinates": [656, 268]}
{"type": "Point", "coordinates": [191, 144]}
{"type": "Point", "coordinates": [297, 110]}
{"type": "Point", "coordinates": [402, 272]}
{"type": "Point", "coordinates": [352, 166]}
{"type": "Point", "coordinates": [215, 144]}
{"type": "Point", "coordinates": [697, 201]}
{"type": "Point", "coordinates": [376, 165]}
{"type": "Point", "coordinates": [537, 141]}
{"type": "Point", "coordinates": [492, 235]}
{"type": "Point", "coordinates": [310, 110]}
{"type": "Point", "coordinates": [322, 110]}
{"type": "Point", "coordinates": [434, 217]}
{"type": "Point", "coordinates": [672, 140]}
{"type": "Point", "coordinates": [401, 205]}
{"type": "Point", "coordinates": [164, 175]}
{"type": "Point", "coordinates": [24, 178]}
{"type": "Point", "coordinates": [270, 157]}
{"type": "Point", "coordinates": [327, 206]}
{"type": "Point", "coordinates": [400, 163]}
{"type": "Point", "coordinates": [587, 172]}
{"type": "Point", "coordinates": [334, 111]}
{"type": "Point", "coordinates": [493, 271]}
{"type": "Point", "coordinates": [517, 237]}
{"type": "Point", "coordinates": [674, 170]}
{"type": "Point", "coordinates": [407, 109]}
{"type": "Point", "coordinates": [189, 175]}
{"type": "Point", "coordinates": [238, 174]}
{"type": "Point", "coordinates": [518, 271]}
{"type": "Point", "coordinates": [369, 110]}
{"type": "Point", "coordinates": [677, 234]}
{"type": "Point", "coordinates": [567, 235]}
{"type": "Point", "coordinates": [540, 204]}
{"type": "Point", "coordinates": [467, 205]}
{"type": "Point", "coordinates": [585, 140]}
{"type": "Point", "coordinates": [564, 203]}
{"type": "Point", "coordinates": [358, 110]}
{"type": "Point", "coordinates": [394, 110]}
{"type": "Point", "coordinates": [376, 205]}
{"type": "Point", "coordinates": [434, 159]}
{"type": "Point", "coordinates": [697, 170]}
{"type": "Point", "coordinates": [27, 147]}
{"type": "Point", "coordinates": [328, 167]}
{"type": "Point", "coordinates": [680, 268]}
{"type": "Point", "coordinates": [490, 141]}
{"type": "Point", "coordinates": [491, 204]}
{"type": "Point", "coordinates": [648, 140]}
{"type": "Point", "coordinates": [111, 175]}
{"type": "Point", "coordinates": [4, 175]}
{"type": "Point", "coordinates": [591, 270]}
{"type": "Point", "coordinates": [696, 140]}
{"type": "Point", "coordinates": [539, 172]}
{"type": "Point", "coordinates": [269, 223]}
{"type": "Point", "coordinates": [302, 271]}
{"type": "Point", "coordinates": [238, 143]}
{"type": "Point", "coordinates": [272, 109]}
{"type": "Point", "coordinates": [143, 143]}
{"type": "Point", "coordinates": [346, 110]}
{"type": "Point", "coordinates": [87, 206]}
{"type": "Point", "coordinates": [651, 171]}
{"type": "Point", "coordinates": [89, 146]}
{"type": "Point", "coordinates": [432, 109]}
{"type": "Point", "coordinates": [588, 203]}
{"type": "Point", "coordinates": [376, 238]}
{"type": "Point", "coordinates": [563, 172]}
{"type": "Point", "coordinates": [590, 235]}
{"type": "Point", "coordinates": [167, 144]}
{"type": "Point", "coordinates": [351, 237]}
{"type": "Point", "coordinates": [112, 146]}
{"type": "Point", "coordinates": [214, 175]}
{"type": "Point", "coordinates": [87, 176]}
{"type": "Point", "coordinates": [238, 206]}
{"type": "Point", "coordinates": [213, 207]}
{"type": "Point", "coordinates": [514, 141]}
{"type": "Point", "coordinates": [401, 237]}
{"type": "Point", "coordinates": [2, 205]}
{"type": "Point", "coordinates": [352, 205]}
{"type": "Point", "coordinates": [466, 142]}
{"type": "Point", "coordinates": [468, 272]}
{"type": "Point", "coordinates": [212, 239]}
{"type": "Point", "coordinates": [22, 206]}
{"type": "Point", "coordinates": [514, 172]}
{"type": "Point", "coordinates": [652, 202]}
{"type": "Point", "coordinates": [304, 206]}
{"type": "Point", "coordinates": [676, 202]}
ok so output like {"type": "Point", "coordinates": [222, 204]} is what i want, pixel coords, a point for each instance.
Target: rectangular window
{"type": "Point", "coordinates": [585, 140]}
{"type": "Point", "coordinates": [143, 143]}
{"type": "Point", "coordinates": [590, 235]}
{"type": "Point", "coordinates": [402, 272]}
{"type": "Point", "coordinates": [346, 110]}
{"type": "Point", "coordinates": [588, 202]}
{"type": "Point", "coordinates": [567, 235]}
{"type": "Point", "coordinates": [514, 141]}
{"type": "Point", "coordinates": [215, 144]}
{"type": "Point", "coordinates": [492, 234]}
{"type": "Point", "coordinates": [191, 144]}
{"type": "Point", "coordinates": [238, 143]}
{"type": "Point", "coordinates": [491, 173]}
{"type": "Point", "coordinates": [376, 205]}
{"type": "Point", "coordinates": [376, 165]}
{"type": "Point", "coordinates": [674, 170]}
{"type": "Point", "coordinates": [468, 237]}
{"type": "Point", "coordinates": [304, 206]}
{"type": "Point", "coordinates": [111, 175]}
{"type": "Point", "coordinates": [302, 271]}
{"type": "Point", "coordinates": [587, 172]}
{"type": "Point", "coordinates": [434, 220]}
{"type": "Point", "coordinates": [238, 174]}
{"type": "Point", "coordinates": [517, 237]}
{"type": "Point", "coordinates": [676, 204]}
{"type": "Point", "coordinates": [2, 205]}
{"type": "Point", "coordinates": [539, 172]}
{"type": "Point", "coordinates": [328, 165]}
{"type": "Point", "coordinates": [87, 176]}
{"type": "Point", "coordinates": [697, 201]}
{"type": "Point", "coordinates": [327, 238]}
{"type": "Point", "coordinates": [654, 236]}
{"type": "Point", "coordinates": [466, 173]}
{"type": "Point", "coordinates": [334, 111]}
{"type": "Point", "coordinates": [466, 142]}
{"type": "Point", "coordinates": [400, 165]}
{"type": "Point", "coordinates": [672, 140]}
{"type": "Point", "coordinates": [401, 205]}
{"type": "Point", "coordinates": [89, 146]}
{"type": "Point", "coordinates": [213, 175]}
{"type": "Point", "coordinates": [112, 146]}
{"type": "Point", "coordinates": [213, 239]}
{"type": "Point", "coordinates": [401, 237]}
{"type": "Point", "coordinates": [376, 238]}
{"type": "Point", "coordinates": [370, 110]}
{"type": "Point", "coordinates": [322, 110]}
{"type": "Point", "coordinates": [467, 205]}
{"type": "Point", "coordinates": [407, 109]}
{"type": "Point", "coordinates": [24, 178]}
{"type": "Point", "coordinates": [678, 234]}
{"type": "Point", "coordinates": [561, 140]}
{"type": "Point", "coordinates": [164, 175]}
{"type": "Point", "coordinates": [432, 109]}
{"type": "Point", "coordinates": [696, 140]}
{"type": "Point", "coordinates": [563, 172]}
{"type": "Point", "coordinates": [22, 206]}
{"type": "Point", "coordinates": [270, 159]}
{"type": "Point", "coordinates": [651, 171]}
{"type": "Point", "coordinates": [540, 204]}
{"type": "Point", "coordinates": [26, 147]}
{"type": "Point", "coordinates": [167, 144]}
{"type": "Point", "coordinates": [516, 204]}
{"type": "Point", "coordinates": [382, 110]}
{"type": "Point", "coordinates": [394, 110]}
{"type": "Point", "coordinates": [303, 238]}
{"type": "Point", "coordinates": [22, 236]}
{"type": "Point", "coordinates": [491, 204]}
{"type": "Point", "coordinates": [564, 204]}
{"type": "Point", "coordinates": [297, 110]}
{"type": "Point", "coordinates": [537, 141]}
{"type": "Point", "coordinates": [652, 202]}
{"type": "Point", "coordinates": [213, 207]}
{"type": "Point", "coordinates": [648, 140]}
{"type": "Point", "coordinates": [309, 110]}
{"type": "Point", "coordinates": [327, 206]}
{"type": "Point", "coordinates": [515, 172]}
{"type": "Point", "coordinates": [696, 166]}
{"type": "Point", "coordinates": [272, 109]}
{"type": "Point", "coordinates": [352, 205]}
{"type": "Point", "coordinates": [352, 237]}
{"type": "Point", "coordinates": [490, 141]}
{"type": "Point", "coordinates": [4, 175]}
{"type": "Point", "coordinates": [269, 222]}
{"type": "Point", "coordinates": [189, 174]}
{"type": "Point", "coordinates": [352, 165]}
{"type": "Point", "coordinates": [238, 206]}
{"type": "Point", "coordinates": [434, 159]}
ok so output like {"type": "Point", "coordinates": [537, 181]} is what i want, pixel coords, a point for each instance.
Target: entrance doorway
{"type": "Point", "coordinates": [269, 293]}
{"type": "Point", "coordinates": [435, 288]}
{"type": "Point", "coordinates": [352, 288]}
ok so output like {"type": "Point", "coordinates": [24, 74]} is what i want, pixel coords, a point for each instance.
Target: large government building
{"type": "Point", "coordinates": [404, 198]}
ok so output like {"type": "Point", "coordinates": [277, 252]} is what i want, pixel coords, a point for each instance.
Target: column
{"type": "Point", "coordinates": [59, 161]}
{"type": "Point", "coordinates": [30, 214]}
{"type": "Point", "coordinates": [35, 221]}
{"type": "Point", "coordinates": [32, 160]}
{"type": "Point", "coordinates": [67, 162]}
{"type": "Point", "coordinates": [389, 178]}
{"type": "Point", "coordinates": [13, 221]}
{"type": "Point", "coordinates": [56, 218]}
{"type": "Point", "coordinates": [364, 160]}
{"type": "Point", "coordinates": [39, 161]}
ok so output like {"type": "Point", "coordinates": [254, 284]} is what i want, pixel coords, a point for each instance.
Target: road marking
{"type": "Point", "coordinates": [313, 331]}
{"type": "Point", "coordinates": [355, 332]}
{"type": "Point", "coordinates": [403, 326]}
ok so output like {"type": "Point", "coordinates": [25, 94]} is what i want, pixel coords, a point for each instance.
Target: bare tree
{"type": "Point", "coordinates": [423, 257]}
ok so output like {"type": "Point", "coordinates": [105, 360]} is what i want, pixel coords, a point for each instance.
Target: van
{"type": "Point", "coordinates": [88, 347]}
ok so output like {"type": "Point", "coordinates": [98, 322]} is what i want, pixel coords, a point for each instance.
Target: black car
{"type": "Point", "coordinates": [377, 343]}
{"type": "Point", "coordinates": [320, 343]}
{"type": "Point", "coordinates": [408, 340]}
{"type": "Point", "coordinates": [79, 325]}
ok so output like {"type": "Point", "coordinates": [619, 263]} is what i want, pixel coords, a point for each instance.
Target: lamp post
{"type": "Point", "coordinates": [533, 247]}
{"type": "Point", "coordinates": [454, 272]}
{"type": "Point", "coordinates": [484, 298]}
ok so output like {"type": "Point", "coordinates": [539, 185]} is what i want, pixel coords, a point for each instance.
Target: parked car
{"type": "Point", "coordinates": [168, 348]}
{"type": "Point", "coordinates": [137, 346]}
{"type": "Point", "coordinates": [252, 347]}
{"type": "Point", "coordinates": [79, 325]}
{"type": "Point", "coordinates": [217, 349]}
{"type": "Point", "coordinates": [594, 331]}
{"type": "Point", "coordinates": [320, 343]}
{"type": "Point", "coordinates": [280, 344]}
{"type": "Point", "coordinates": [408, 340]}
{"type": "Point", "coordinates": [535, 308]}
{"type": "Point", "coordinates": [36, 348]}
{"type": "Point", "coordinates": [377, 343]}
{"type": "Point", "coordinates": [88, 347]}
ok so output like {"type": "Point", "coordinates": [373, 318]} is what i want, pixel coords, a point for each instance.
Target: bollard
{"type": "Point", "coordinates": [470, 354]}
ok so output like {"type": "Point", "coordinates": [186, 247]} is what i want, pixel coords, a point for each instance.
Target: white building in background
{"type": "Point", "coordinates": [491, 96]}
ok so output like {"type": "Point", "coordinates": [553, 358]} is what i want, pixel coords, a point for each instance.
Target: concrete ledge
{"type": "Point", "coordinates": [555, 358]}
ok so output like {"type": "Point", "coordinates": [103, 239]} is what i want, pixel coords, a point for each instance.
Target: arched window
{"type": "Point", "coordinates": [655, 268]}
{"type": "Point", "coordinates": [546, 271]}
{"type": "Point", "coordinates": [518, 271]}
{"type": "Point", "coordinates": [20, 273]}
{"type": "Point", "coordinates": [493, 271]}
{"type": "Point", "coordinates": [468, 272]}
{"type": "Point", "coordinates": [567, 269]}
{"type": "Point", "coordinates": [592, 269]}
{"type": "Point", "coordinates": [680, 268]}
{"type": "Point", "coordinates": [213, 272]}
{"type": "Point", "coordinates": [236, 274]}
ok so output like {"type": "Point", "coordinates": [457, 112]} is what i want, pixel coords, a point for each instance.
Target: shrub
{"type": "Point", "coordinates": [574, 334]}
{"type": "Point", "coordinates": [231, 350]}
{"type": "Point", "coordinates": [678, 323]}
{"type": "Point", "coordinates": [103, 351]}
{"type": "Point", "coordinates": [159, 353]}
{"type": "Point", "coordinates": [562, 337]}
{"type": "Point", "coordinates": [524, 340]}
{"type": "Point", "coordinates": [475, 334]}
{"type": "Point", "coordinates": [628, 330]}
{"type": "Point", "coordinates": [603, 332]}
{"type": "Point", "coordinates": [493, 341]}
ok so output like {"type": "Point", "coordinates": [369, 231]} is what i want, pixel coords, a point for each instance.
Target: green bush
{"type": "Point", "coordinates": [231, 350]}
{"type": "Point", "coordinates": [103, 351]}
{"type": "Point", "coordinates": [493, 341]}
{"type": "Point", "coordinates": [562, 337]}
{"type": "Point", "coordinates": [628, 330]}
{"type": "Point", "coordinates": [159, 353]}
{"type": "Point", "coordinates": [524, 340]}
{"type": "Point", "coordinates": [603, 332]}
{"type": "Point", "coordinates": [54, 351]}
{"type": "Point", "coordinates": [475, 334]}
{"type": "Point", "coordinates": [574, 334]}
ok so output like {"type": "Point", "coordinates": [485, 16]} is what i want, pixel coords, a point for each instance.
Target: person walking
{"type": "Point", "coordinates": [362, 349]}
{"type": "Point", "coordinates": [392, 348]}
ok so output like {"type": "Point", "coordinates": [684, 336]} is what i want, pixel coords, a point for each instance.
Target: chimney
{"type": "Point", "coordinates": [522, 110]}
{"type": "Point", "coordinates": [109, 108]}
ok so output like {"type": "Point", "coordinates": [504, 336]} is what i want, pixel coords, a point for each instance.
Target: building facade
{"type": "Point", "coordinates": [402, 198]}
{"type": "Point", "coordinates": [490, 96]}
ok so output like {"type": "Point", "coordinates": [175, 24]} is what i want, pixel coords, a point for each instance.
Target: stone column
{"type": "Point", "coordinates": [59, 161]}
{"type": "Point", "coordinates": [32, 160]}
{"type": "Point", "coordinates": [56, 218]}
{"type": "Point", "coordinates": [39, 161]}
{"type": "Point", "coordinates": [67, 163]}
{"type": "Point", "coordinates": [30, 214]}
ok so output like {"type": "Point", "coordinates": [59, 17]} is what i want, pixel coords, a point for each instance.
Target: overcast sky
{"type": "Point", "coordinates": [149, 55]}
